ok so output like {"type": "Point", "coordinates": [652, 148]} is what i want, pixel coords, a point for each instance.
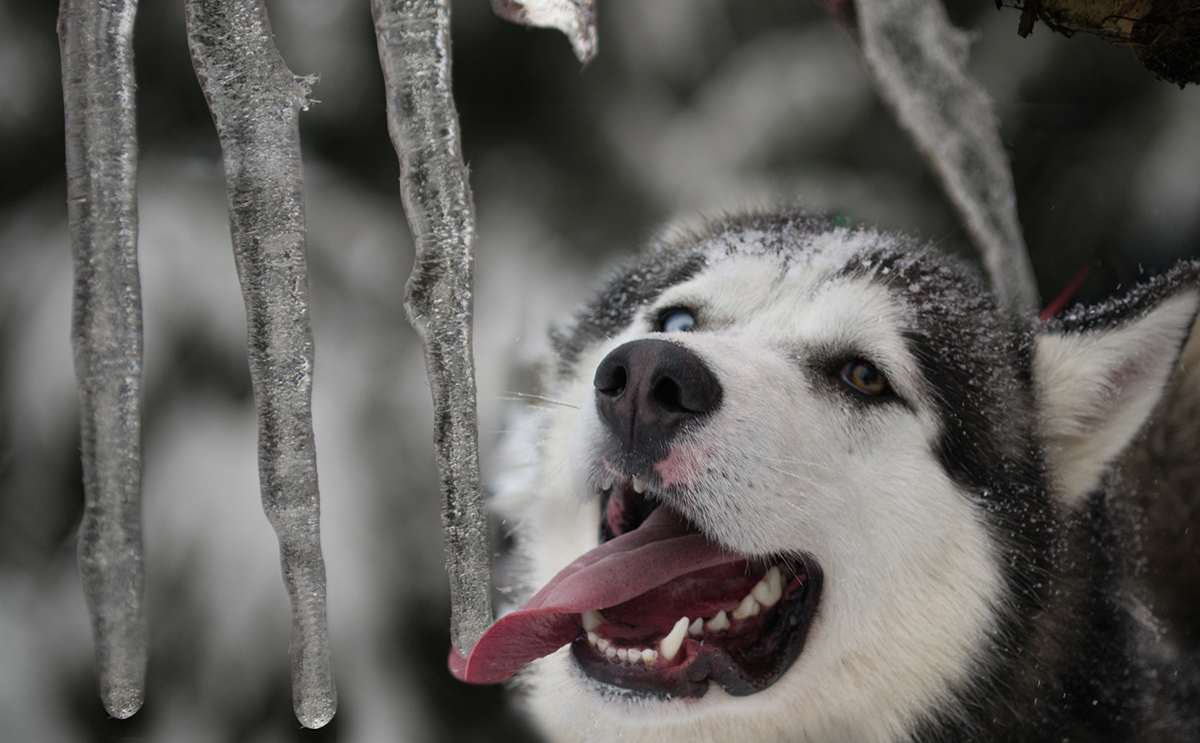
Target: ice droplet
{"type": "Point", "coordinates": [414, 49]}
{"type": "Point", "coordinates": [255, 101]}
{"type": "Point", "coordinates": [101, 154]}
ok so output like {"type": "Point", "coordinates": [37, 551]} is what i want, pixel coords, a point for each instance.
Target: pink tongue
{"type": "Point", "coordinates": [660, 550]}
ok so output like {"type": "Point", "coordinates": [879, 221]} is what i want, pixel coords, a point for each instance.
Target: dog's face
{"type": "Point", "coordinates": [776, 400]}
{"type": "Point", "coordinates": [849, 426]}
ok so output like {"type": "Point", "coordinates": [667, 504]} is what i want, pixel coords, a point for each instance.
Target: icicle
{"type": "Point", "coordinates": [414, 48]}
{"type": "Point", "coordinates": [97, 64]}
{"type": "Point", "coordinates": [919, 62]}
{"type": "Point", "coordinates": [575, 18]}
{"type": "Point", "coordinates": [255, 102]}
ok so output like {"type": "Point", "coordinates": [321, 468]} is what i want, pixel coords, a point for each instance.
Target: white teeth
{"type": "Point", "coordinates": [638, 486]}
{"type": "Point", "coordinates": [591, 620]}
{"type": "Point", "coordinates": [607, 482]}
{"type": "Point", "coordinates": [748, 608]}
{"type": "Point", "coordinates": [632, 655]}
{"type": "Point", "coordinates": [669, 646]}
{"type": "Point", "coordinates": [766, 593]}
{"type": "Point", "coordinates": [770, 589]}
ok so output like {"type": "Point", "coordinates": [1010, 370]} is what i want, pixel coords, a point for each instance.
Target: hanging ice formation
{"type": "Point", "coordinates": [101, 152]}
{"type": "Point", "coordinates": [255, 101]}
{"type": "Point", "coordinates": [919, 61]}
{"type": "Point", "coordinates": [414, 48]}
{"type": "Point", "coordinates": [575, 18]}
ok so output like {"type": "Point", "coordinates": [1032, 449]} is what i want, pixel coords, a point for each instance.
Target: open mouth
{"type": "Point", "coordinates": [657, 608]}
{"type": "Point", "coordinates": [740, 623]}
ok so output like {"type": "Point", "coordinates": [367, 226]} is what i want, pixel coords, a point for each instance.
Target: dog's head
{"type": "Point", "coordinates": [806, 479]}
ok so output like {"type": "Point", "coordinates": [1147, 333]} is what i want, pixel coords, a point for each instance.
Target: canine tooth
{"type": "Point", "coordinates": [610, 652]}
{"type": "Point", "coordinates": [696, 627]}
{"type": "Point", "coordinates": [748, 608]}
{"type": "Point", "coordinates": [649, 656]}
{"type": "Point", "coordinates": [607, 482]}
{"type": "Point", "coordinates": [718, 623]}
{"type": "Point", "coordinates": [593, 639]}
{"type": "Point", "coordinates": [592, 619]}
{"type": "Point", "coordinates": [762, 592]}
{"type": "Point", "coordinates": [602, 645]}
{"type": "Point", "coordinates": [638, 486]}
{"type": "Point", "coordinates": [769, 590]}
{"type": "Point", "coordinates": [669, 645]}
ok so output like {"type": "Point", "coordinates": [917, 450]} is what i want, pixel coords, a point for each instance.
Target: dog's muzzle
{"type": "Point", "coordinates": [648, 390]}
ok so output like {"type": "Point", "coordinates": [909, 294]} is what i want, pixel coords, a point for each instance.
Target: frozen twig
{"type": "Point", "coordinates": [98, 93]}
{"type": "Point", "coordinates": [255, 101]}
{"type": "Point", "coordinates": [1165, 34]}
{"type": "Point", "coordinates": [575, 18]}
{"type": "Point", "coordinates": [414, 48]}
{"type": "Point", "coordinates": [919, 61]}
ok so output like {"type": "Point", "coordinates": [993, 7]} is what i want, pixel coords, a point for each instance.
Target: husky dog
{"type": "Point", "coordinates": [809, 483]}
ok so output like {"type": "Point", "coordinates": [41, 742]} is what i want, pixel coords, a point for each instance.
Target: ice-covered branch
{"type": "Point", "coordinates": [98, 93]}
{"type": "Point", "coordinates": [919, 61]}
{"type": "Point", "coordinates": [575, 18]}
{"type": "Point", "coordinates": [255, 101]}
{"type": "Point", "coordinates": [414, 48]}
{"type": "Point", "coordinates": [1165, 34]}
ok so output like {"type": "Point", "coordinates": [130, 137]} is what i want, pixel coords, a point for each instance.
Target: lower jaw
{"type": "Point", "coordinates": [680, 683]}
{"type": "Point", "coordinates": [704, 663]}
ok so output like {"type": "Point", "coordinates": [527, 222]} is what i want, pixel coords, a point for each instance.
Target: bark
{"type": "Point", "coordinates": [1165, 34]}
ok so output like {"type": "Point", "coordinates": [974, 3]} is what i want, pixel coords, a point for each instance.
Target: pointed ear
{"type": "Point", "coordinates": [1101, 370]}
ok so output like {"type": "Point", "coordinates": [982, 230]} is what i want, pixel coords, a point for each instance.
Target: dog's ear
{"type": "Point", "coordinates": [1101, 370]}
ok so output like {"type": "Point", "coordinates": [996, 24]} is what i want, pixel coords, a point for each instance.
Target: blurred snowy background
{"type": "Point", "coordinates": [691, 106]}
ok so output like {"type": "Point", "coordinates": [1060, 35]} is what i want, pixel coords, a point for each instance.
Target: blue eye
{"type": "Point", "coordinates": [678, 321]}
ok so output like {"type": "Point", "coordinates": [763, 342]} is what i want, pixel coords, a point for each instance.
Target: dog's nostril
{"type": "Point", "coordinates": [667, 393]}
{"type": "Point", "coordinates": [611, 379]}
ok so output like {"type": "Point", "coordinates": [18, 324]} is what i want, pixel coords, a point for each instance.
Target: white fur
{"type": "Point", "coordinates": [911, 580]}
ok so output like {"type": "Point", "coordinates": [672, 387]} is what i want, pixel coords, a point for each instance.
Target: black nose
{"type": "Point", "coordinates": [648, 389]}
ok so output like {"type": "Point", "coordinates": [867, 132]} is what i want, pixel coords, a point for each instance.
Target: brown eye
{"type": "Point", "coordinates": [864, 377]}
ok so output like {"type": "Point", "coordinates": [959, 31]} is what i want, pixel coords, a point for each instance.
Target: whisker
{"type": "Point", "coordinates": [794, 460]}
{"type": "Point", "coordinates": [788, 564]}
{"type": "Point", "coordinates": [801, 478]}
{"type": "Point", "coordinates": [522, 396]}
